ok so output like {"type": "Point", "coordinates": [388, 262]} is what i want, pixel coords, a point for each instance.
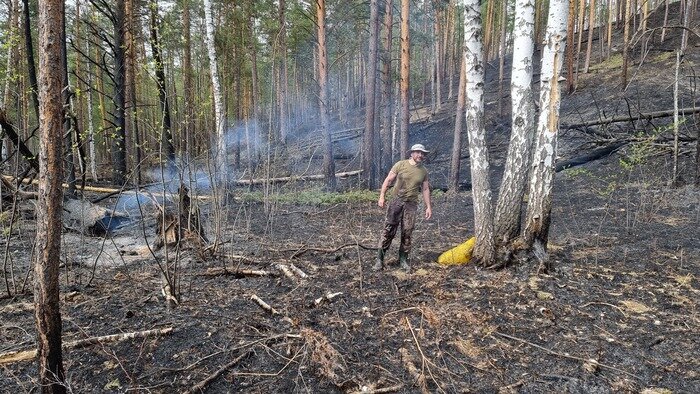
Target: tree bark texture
{"type": "Point", "coordinates": [514, 182]}
{"type": "Point", "coordinates": [31, 66]}
{"type": "Point", "coordinates": [484, 250]}
{"type": "Point", "coordinates": [282, 81]}
{"type": "Point", "coordinates": [119, 140]}
{"type": "Point", "coordinates": [387, 99]}
{"type": "Point", "coordinates": [405, 76]}
{"type": "Point", "coordinates": [187, 83]}
{"type": "Point", "coordinates": [328, 163]}
{"type": "Point", "coordinates": [50, 198]}
{"type": "Point", "coordinates": [368, 142]}
{"type": "Point", "coordinates": [459, 127]}
{"type": "Point", "coordinates": [539, 207]}
{"type": "Point", "coordinates": [220, 164]}
{"type": "Point", "coordinates": [166, 140]}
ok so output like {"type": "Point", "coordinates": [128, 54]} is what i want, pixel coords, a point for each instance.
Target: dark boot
{"type": "Point", "coordinates": [403, 261]}
{"type": "Point", "coordinates": [379, 262]}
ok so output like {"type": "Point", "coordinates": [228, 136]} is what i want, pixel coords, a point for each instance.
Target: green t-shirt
{"type": "Point", "coordinates": [409, 179]}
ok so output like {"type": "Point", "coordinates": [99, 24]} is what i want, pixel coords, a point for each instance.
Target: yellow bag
{"type": "Point", "coordinates": [460, 254]}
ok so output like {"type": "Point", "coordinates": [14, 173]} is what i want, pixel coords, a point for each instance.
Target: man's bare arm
{"type": "Point", "coordinates": [385, 186]}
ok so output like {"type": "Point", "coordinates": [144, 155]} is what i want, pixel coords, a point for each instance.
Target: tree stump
{"type": "Point", "coordinates": [181, 223]}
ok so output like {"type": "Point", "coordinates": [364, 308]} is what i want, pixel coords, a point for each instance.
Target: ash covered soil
{"type": "Point", "coordinates": [618, 311]}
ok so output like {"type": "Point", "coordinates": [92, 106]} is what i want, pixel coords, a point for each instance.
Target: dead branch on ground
{"type": "Point", "coordinates": [22, 355]}
{"type": "Point", "coordinates": [388, 389]}
{"type": "Point", "coordinates": [552, 352]}
{"type": "Point", "coordinates": [299, 252]}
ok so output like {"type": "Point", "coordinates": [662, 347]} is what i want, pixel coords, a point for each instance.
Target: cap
{"type": "Point", "coordinates": [418, 147]}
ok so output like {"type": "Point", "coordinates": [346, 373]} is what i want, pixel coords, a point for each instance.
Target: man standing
{"type": "Point", "coordinates": [411, 177]}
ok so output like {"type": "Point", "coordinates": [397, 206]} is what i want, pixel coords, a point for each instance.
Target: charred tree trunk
{"type": "Point", "coordinates": [31, 66]}
{"type": "Point", "coordinates": [368, 155]}
{"type": "Point", "coordinates": [405, 75]}
{"type": "Point", "coordinates": [387, 99]}
{"type": "Point", "coordinates": [328, 163]}
{"type": "Point", "coordinates": [166, 141]}
{"type": "Point", "coordinates": [48, 211]}
{"type": "Point", "coordinates": [119, 140]}
{"type": "Point", "coordinates": [459, 126]}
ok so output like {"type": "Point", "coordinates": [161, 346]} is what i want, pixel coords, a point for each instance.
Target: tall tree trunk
{"type": "Point", "coordinates": [68, 127]}
{"type": "Point", "coordinates": [387, 99]}
{"type": "Point", "coordinates": [502, 53]}
{"type": "Point", "coordinates": [166, 141]}
{"type": "Point", "coordinates": [663, 29]}
{"type": "Point", "coordinates": [625, 43]}
{"type": "Point", "coordinates": [13, 37]}
{"type": "Point", "coordinates": [438, 63]}
{"type": "Point", "coordinates": [484, 250]}
{"type": "Point", "coordinates": [539, 206]}
{"type": "Point", "coordinates": [328, 164]}
{"type": "Point", "coordinates": [221, 156]}
{"type": "Point", "coordinates": [131, 87]}
{"type": "Point", "coordinates": [49, 206]}
{"type": "Point", "coordinates": [514, 182]}
{"type": "Point", "coordinates": [686, 25]}
{"type": "Point", "coordinates": [119, 139]}
{"type": "Point", "coordinates": [31, 66]}
{"type": "Point", "coordinates": [10, 70]}
{"type": "Point", "coordinates": [570, 76]}
{"type": "Point", "coordinates": [282, 82]}
{"type": "Point", "coordinates": [368, 146]}
{"type": "Point", "coordinates": [189, 124]}
{"type": "Point", "coordinates": [254, 81]}
{"type": "Point", "coordinates": [589, 47]}
{"type": "Point", "coordinates": [459, 127]}
{"type": "Point", "coordinates": [405, 75]}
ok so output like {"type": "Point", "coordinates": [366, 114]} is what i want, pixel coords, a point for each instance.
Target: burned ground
{"type": "Point", "coordinates": [618, 312]}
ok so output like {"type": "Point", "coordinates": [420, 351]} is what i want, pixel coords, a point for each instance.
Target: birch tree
{"type": "Point", "coordinates": [539, 207]}
{"type": "Point", "coordinates": [508, 212]}
{"type": "Point", "coordinates": [50, 198]}
{"type": "Point", "coordinates": [219, 117]}
{"type": "Point", "coordinates": [484, 250]}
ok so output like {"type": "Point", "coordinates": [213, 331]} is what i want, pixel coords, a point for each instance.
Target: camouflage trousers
{"type": "Point", "coordinates": [399, 213]}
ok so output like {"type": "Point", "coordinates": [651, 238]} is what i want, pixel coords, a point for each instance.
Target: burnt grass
{"type": "Point", "coordinates": [617, 311]}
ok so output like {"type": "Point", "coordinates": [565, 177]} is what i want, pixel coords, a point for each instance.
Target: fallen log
{"type": "Point", "coordinates": [23, 355]}
{"type": "Point", "coordinates": [239, 273]}
{"type": "Point", "coordinates": [640, 116]}
{"type": "Point", "coordinates": [87, 218]}
{"type": "Point", "coordinates": [593, 155]}
{"type": "Point", "coordinates": [243, 182]}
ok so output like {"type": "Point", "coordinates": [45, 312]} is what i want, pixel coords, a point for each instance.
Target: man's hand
{"type": "Point", "coordinates": [381, 202]}
{"type": "Point", "coordinates": [428, 213]}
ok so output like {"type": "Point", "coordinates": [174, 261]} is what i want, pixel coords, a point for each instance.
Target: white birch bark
{"type": "Point", "coordinates": [484, 250]}
{"type": "Point", "coordinates": [221, 156]}
{"type": "Point", "coordinates": [510, 197]}
{"type": "Point", "coordinates": [539, 206]}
